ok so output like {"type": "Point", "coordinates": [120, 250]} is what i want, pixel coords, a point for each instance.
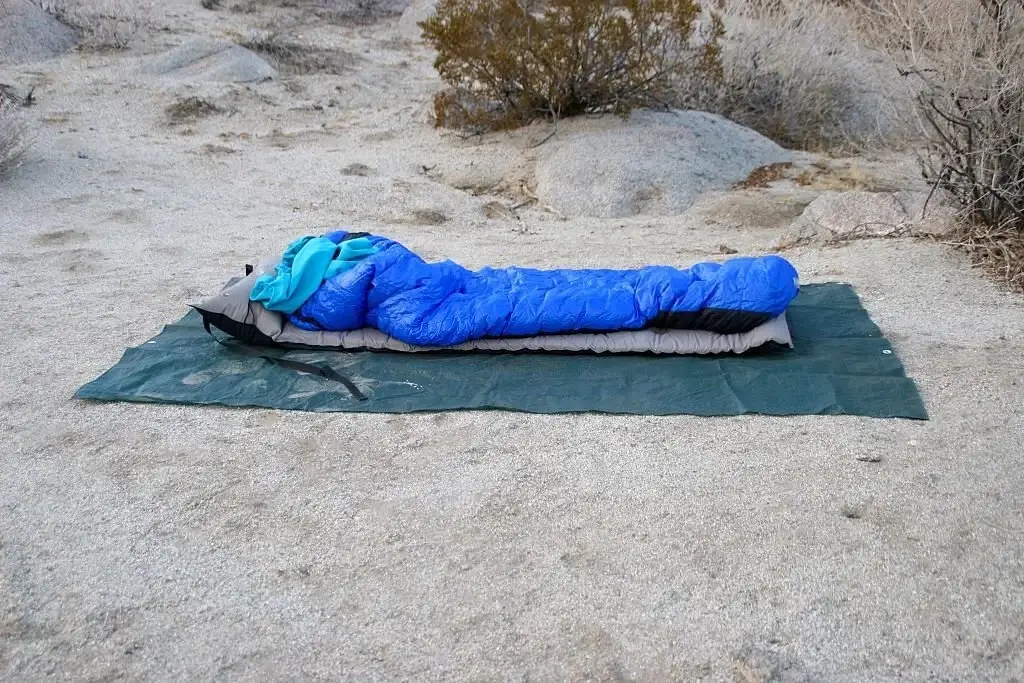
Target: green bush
{"type": "Point", "coordinates": [510, 62]}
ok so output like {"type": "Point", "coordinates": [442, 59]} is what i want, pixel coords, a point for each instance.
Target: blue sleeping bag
{"type": "Point", "coordinates": [384, 285]}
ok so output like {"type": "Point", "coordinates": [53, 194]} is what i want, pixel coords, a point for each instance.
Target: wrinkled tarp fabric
{"type": "Point", "coordinates": [305, 265]}
{"type": "Point", "coordinates": [840, 365]}
{"type": "Point", "coordinates": [444, 304]}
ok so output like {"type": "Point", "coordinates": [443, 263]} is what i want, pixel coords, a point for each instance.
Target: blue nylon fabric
{"type": "Point", "coordinates": [306, 263]}
{"type": "Point", "coordinates": [442, 303]}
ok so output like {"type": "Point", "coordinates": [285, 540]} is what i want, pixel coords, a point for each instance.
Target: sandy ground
{"type": "Point", "coordinates": [180, 543]}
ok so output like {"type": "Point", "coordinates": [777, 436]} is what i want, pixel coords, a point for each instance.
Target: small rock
{"type": "Point", "coordinates": [357, 169]}
{"type": "Point", "coordinates": [210, 148]}
{"type": "Point", "coordinates": [83, 155]}
{"type": "Point", "coordinates": [869, 457]}
{"type": "Point", "coordinates": [851, 512]}
{"type": "Point", "coordinates": [429, 217]}
{"type": "Point", "coordinates": [497, 210]}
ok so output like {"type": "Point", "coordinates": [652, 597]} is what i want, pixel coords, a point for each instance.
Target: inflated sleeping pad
{"type": "Point", "coordinates": [357, 290]}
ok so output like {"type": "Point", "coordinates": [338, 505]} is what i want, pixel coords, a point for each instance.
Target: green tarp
{"type": "Point", "coordinates": [840, 364]}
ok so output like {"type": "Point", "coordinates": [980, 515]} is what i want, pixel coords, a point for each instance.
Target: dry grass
{"type": "Point", "coordinates": [357, 11]}
{"type": "Point", "coordinates": [1000, 251]}
{"type": "Point", "coordinates": [763, 176]}
{"type": "Point", "coordinates": [821, 175]}
{"type": "Point", "coordinates": [13, 138]}
{"type": "Point", "coordinates": [842, 179]}
{"type": "Point", "coordinates": [190, 109]}
{"type": "Point", "coordinates": [104, 24]}
{"type": "Point", "coordinates": [967, 59]}
{"type": "Point", "coordinates": [352, 12]}
{"type": "Point", "coordinates": [294, 57]}
{"type": "Point", "coordinates": [795, 71]}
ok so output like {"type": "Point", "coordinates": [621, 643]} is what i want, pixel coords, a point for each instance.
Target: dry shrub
{"type": "Point", "coordinates": [509, 62]}
{"type": "Point", "coordinates": [797, 72]}
{"type": "Point", "coordinates": [104, 24]}
{"type": "Point", "coordinates": [967, 59]}
{"type": "Point", "coordinates": [354, 12]}
{"type": "Point", "coordinates": [13, 137]}
{"type": "Point", "coordinates": [998, 249]}
{"type": "Point", "coordinates": [190, 109]}
{"type": "Point", "coordinates": [292, 56]}
{"type": "Point", "coordinates": [358, 11]}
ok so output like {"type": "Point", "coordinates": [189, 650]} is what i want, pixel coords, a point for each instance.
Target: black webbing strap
{"type": "Point", "coordinates": [318, 370]}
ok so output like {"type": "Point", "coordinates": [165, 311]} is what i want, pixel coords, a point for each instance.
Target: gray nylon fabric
{"type": "Point", "coordinates": [839, 364]}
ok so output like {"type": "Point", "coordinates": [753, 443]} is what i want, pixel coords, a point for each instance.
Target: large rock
{"type": "Point", "coordinates": [930, 213]}
{"type": "Point", "coordinates": [656, 163]}
{"type": "Point", "coordinates": [417, 11]}
{"type": "Point", "coordinates": [206, 60]}
{"type": "Point", "coordinates": [28, 34]}
{"type": "Point", "coordinates": [840, 216]}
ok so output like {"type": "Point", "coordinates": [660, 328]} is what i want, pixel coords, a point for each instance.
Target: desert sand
{"type": "Point", "coordinates": [181, 543]}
